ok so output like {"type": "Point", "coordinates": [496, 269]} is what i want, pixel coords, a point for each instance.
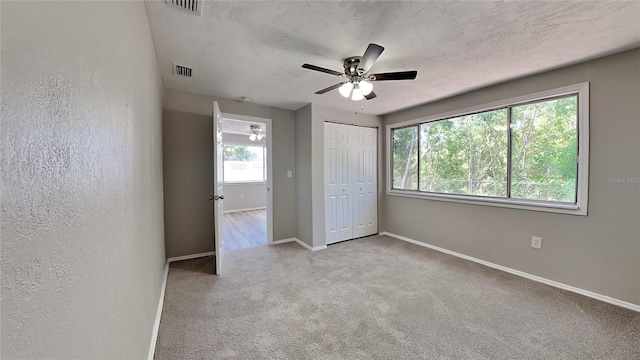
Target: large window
{"type": "Point", "coordinates": [245, 163]}
{"type": "Point", "coordinates": [522, 153]}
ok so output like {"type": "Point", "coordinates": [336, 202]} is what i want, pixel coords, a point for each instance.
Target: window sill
{"type": "Point", "coordinates": [533, 205]}
{"type": "Point", "coordinates": [232, 183]}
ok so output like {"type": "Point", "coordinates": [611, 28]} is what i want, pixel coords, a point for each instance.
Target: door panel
{"type": "Point", "coordinates": [350, 182]}
{"type": "Point", "coordinates": [218, 190]}
{"type": "Point", "coordinates": [371, 181]}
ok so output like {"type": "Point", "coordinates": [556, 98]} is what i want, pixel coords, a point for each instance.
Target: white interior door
{"type": "Point", "coordinates": [357, 170]}
{"type": "Point", "coordinates": [338, 197]}
{"type": "Point", "coordinates": [218, 190]}
{"type": "Point", "coordinates": [350, 180]}
{"type": "Point", "coordinates": [371, 180]}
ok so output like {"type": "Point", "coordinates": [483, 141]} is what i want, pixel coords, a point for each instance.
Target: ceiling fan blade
{"type": "Point", "coordinates": [321, 69]}
{"type": "Point", "coordinates": [370, 96]}
{"type": "Point", "coordinates": [400, 75]}
{"type": "Point", "coordinates": [370, 56]}
{"type": "Point", "coordinates": [332, 87]}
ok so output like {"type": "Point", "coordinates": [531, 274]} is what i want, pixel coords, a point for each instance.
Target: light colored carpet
{"type": "Point", "coordinates": [379, 298]}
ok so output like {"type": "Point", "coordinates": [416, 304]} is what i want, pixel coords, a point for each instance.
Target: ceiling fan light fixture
{"type": "Point", "coordinates": [345, 89]}
{"type": "Point", "coordinates": [357, 93]}
{"type": "Point", "coordinates": [366, 87]}
{"type": "Point", "coordinates": [256, 133]}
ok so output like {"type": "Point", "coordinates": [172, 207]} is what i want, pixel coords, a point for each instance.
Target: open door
{"type": "Point", "coordinates": [218, 193]}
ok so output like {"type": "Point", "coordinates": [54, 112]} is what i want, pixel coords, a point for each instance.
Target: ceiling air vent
{"type": "Point", "coordinates": [191, 6]}
{"type": "Point", "coordinates": [182, 70]}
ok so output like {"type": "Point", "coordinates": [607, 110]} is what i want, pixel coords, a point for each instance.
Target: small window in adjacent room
{"type": "Point", "coordinates": [522, 153]}
{"type": "Point", "coordinates": [245, 163]}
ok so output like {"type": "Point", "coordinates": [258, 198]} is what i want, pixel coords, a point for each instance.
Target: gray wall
{"type": "Point", "coordinates": [304, 224]}
{"type": "Point", "coordinates": [188, 182]}
{"type": "Point", "coordinates": [599, 252]}
{"type": "Point", "coordinates": [310, 146]}
{"type": "Point", "coordinates": [283, 137]}
{"type": "Point", "coordinates": [82, 235]}
{"type": "Point", "coordinates": [245, 196]}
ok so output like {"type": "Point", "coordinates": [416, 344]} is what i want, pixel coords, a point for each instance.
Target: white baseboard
{"type": "Point", "coordinates": [156, 324]}
{"type": "Point", "coordinates": [523, 274]}
{"type": "Point", "coordinates": [247, 209]}
{"type": "Point", "coordinates": [192, 256]}
{"type": "Point", "coordinates": [316, 248]}
{"type": "Point", "coordinates": [282, 241]}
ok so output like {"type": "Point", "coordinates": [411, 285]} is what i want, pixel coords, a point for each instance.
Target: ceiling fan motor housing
{"type": "Point", "coordinates": [351, 66]}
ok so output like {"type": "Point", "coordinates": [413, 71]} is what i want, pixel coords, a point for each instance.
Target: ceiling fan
{"type": "Point", "coordinates": [358, 80]}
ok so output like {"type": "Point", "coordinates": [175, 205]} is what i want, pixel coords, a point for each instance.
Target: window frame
{"type": "Point", "coordinates": [264, 165]}
{"type": "Point", "coordinates": [582, 181]}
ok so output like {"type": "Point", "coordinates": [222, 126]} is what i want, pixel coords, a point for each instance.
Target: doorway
{"type": "Point", "coordinates": [247, 159]}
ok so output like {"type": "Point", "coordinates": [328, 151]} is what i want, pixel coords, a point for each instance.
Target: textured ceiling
{"type": "Point", "coordinates": [256, 49]}
{"type": "Point", "coordinates": [240, 127]}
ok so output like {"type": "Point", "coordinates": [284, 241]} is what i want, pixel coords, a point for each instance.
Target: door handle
{"type": "Point", "coordinates": [210, 197]}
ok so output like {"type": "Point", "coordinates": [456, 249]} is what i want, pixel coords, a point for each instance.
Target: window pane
{"type": "Point", "coordinates": [465, 155]}
{"type": "Point", "coordinates": [544, 150]}
{"type": "Point", "coordinates": [244, 163]}
{"type": "Point", "coordinates": [405, 158]}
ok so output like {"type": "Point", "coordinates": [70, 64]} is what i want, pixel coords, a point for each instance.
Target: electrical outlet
{"type": "Point", "coordinates": [241, 196]}
{"type": "Point", "coordinates": [289, 174]}
{"type": "Point", "coordinates": [536, 242]}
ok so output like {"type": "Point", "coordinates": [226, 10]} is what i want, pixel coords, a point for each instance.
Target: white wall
{"type": "Point", "coordinates": [245, 196]}
{"type": "Point", "coordinates": [82, 215]}
{"type": "Point", "coordinates": [599, 252]}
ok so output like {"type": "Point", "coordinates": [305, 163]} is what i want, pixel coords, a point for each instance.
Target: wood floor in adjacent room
{"type": "Point", "coordinates": [379, 298]}
{"type": "Point", "coordinates": [245, 229]}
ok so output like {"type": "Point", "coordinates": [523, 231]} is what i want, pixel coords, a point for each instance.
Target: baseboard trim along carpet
{"type": "Point", "coordinates": [316, 248]}
{"type": "Point", "coordinates": [523, 274]}
{"type": "Point", "coordinates": [282, 241]}
{"type": "Point", "coordinates": [192, 256]}
{"type": "Point", "coordinates": [156, 324]}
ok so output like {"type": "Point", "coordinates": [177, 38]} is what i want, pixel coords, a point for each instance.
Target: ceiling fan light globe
{"type": "Point", "coordinates": [345, 89]}
{"type": "Point", "coordinates": [357, 94]}
{"type": "Point", "coordinates": [366, 87]}
{"type": "Point", "coordinates": [259, 137]}
{"type": "Point", "coordinates": [252, 137]}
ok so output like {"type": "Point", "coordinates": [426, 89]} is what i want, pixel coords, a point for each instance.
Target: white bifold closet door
{"type": "Point", "coordinates": [350, 178]}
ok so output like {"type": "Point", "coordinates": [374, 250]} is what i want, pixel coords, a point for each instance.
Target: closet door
{"type": "Point", "coordinates": [371, 180]}
{"type": "Point", "coordinates": [358, 180]}
{"type": "Point", "coordinates": [338, 200]}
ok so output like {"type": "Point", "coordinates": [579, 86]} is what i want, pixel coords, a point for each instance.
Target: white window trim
{"type": "Point", "coordinates": [256, 182]}
{"type": "Point", "coordinates": [582, 189]}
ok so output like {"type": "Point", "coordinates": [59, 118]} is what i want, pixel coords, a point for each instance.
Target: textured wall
{"type": "Point", "coordinates": [82, 234]}
{"type": "Point", "coordinates": [304, 211]}
{"type": "Point", "coordinates": [283, 128]}
{"type": "Point", "coordinates": [599, 252]}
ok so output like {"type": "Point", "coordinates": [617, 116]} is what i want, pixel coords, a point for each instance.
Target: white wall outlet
{"type": "Point", "coordinates": [241, 196]}
{"type": "Point", "coordinates": [536, 242]}
{"type": "Point", "coordinates": [289, 173]}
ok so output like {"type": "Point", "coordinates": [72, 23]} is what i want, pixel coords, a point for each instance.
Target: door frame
{"type": "Point", "coordinates": [269, 137]}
